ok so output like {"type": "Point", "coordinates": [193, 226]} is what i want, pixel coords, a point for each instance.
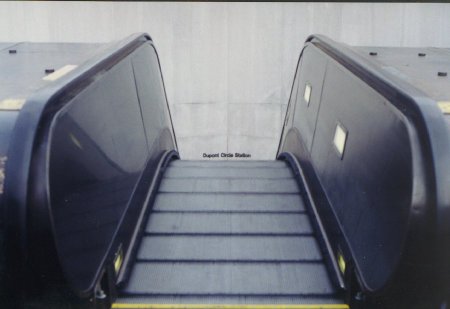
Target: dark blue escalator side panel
{"type": "Point", "coordinates": [89, 146]}
{"type": "Point", "coordinates": [378, 200]}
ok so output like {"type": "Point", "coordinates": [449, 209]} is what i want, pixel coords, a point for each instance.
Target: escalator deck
{"type": "Point", "coordinates": [229, 234]}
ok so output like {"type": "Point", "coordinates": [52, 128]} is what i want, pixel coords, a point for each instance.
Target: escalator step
{"type": "Point", "coordinates": [227, 172]}
{"type": "Point", "coordinates": [250, 185]}
{"type": "Point", "coordinates": [229, 202]}
{"type": "Point", "coordinates": [228, 302]}
{"type": "Point", "coordinates": [229, 248]}
{"type": "Point", "coordinates": [276, 279]}
{"type": "Point", "coordinates": [158, 302]}
{"type": "Point", "coordinates": [229, 235]}
{"type": "Point", "coordinates": [230, 163]}
{"type": "Point", "coordinates": [229, 223]}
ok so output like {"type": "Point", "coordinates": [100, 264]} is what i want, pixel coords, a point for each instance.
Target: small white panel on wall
{"type": "Point", "coordinates": [307, 94]}
{"type": "Point", "coordinates": [340, 139]}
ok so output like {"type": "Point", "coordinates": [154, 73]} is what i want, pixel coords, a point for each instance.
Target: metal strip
{"type": "Point", "coordinates": [229, 306]}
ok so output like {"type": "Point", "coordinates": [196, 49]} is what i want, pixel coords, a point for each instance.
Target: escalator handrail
{"type": "Point", "coordinates": [423, 113]}
{"type": "Point", "coordinates": [301, 178]}
{"type": "Point", "coordinates": [428, 134]}
{"type": "Point", "coordinates": [30, 135]}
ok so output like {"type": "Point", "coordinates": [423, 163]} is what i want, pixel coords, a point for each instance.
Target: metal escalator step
{"type": "Point", "coordinates": [230, 163]}
{"type": "Point", "coordinates": [252, 279]}
{"type": "Point", "coordinates": [227, 172]}
{"type": "Point", "coordinates": [229, 248]}
{"type": "Point", "coordinates": [229, 232]}
{"type": "Point", "coordinates": [228, 223]}
{"type": "Point", "coordinates": [229, 185]}
{"type": "Point", "coordinates": [229, 202]}
{"type": "Point", "coordinates": [229, 302]}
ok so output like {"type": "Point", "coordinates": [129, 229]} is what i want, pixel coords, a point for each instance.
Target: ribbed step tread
{"type": "Point", "coordinates": [229, 248]}
{"type": "Point", "coordinates": [229, 279]}
{"type": "Point", "coordinates": [228, 223]}
{"type": "Point", "coordinates": [229, 202]}
{"type": "Point", "coordinates": [227, 172]}
{"type": "Point", "coordinates": [229, 185]}
{"type": "Point", "coordinates": [229, 232]}
{"type": "Point", "coordinates": [222, 299]}
{"type": "Point", "coordinates": [230, 163]}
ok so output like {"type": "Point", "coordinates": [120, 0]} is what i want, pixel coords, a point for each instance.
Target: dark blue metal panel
{"type": "Point", "coordinates": [88, 148]}
{"type": "Point", "coordinates": [384, 201]}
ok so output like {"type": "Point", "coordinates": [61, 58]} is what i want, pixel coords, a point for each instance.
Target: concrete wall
{"type": "Point", "coordinates": [228, 67]}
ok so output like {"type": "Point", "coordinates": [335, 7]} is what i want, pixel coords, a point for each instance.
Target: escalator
{"type": "Point", "coordinates": [233, 232]}
{"type": "Point", "coordinates": [98, 210]}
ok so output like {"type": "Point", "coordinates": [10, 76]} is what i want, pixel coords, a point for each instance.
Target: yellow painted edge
{"type": "Point", "coordinates": [60, 72]}
{"type": "Point", "coordinates": [444, 106]}
{"type": "Point", "coordinates": [228, 306]}
{"type": "Point", "coordinates": [12, 104]}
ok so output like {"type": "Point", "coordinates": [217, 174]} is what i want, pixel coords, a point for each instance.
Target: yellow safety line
{"type": "Point", "coordinates": [228, 306]}
{"type": "Point", "coordinates": [59, 73]}
{"type": "Point", "coordinates": [444, 106]}
{"type": "Point", "coordinates": [12, 104]}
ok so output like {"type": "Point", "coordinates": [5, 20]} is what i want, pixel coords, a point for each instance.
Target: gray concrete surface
{"type": "Point", "coordinates": [228, 67]}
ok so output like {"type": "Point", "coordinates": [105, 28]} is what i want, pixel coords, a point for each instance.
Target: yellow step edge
{"type": "Point", "coordinates": [228, 306]}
